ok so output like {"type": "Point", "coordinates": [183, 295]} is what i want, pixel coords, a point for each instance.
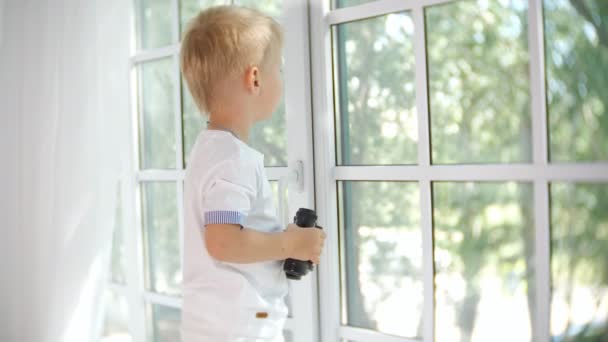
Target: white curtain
{"type": "Point", "coordinates": [63, 129]}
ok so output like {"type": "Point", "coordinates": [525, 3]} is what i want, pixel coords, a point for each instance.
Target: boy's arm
{"type": "Point", "coordinates": [230, 243]}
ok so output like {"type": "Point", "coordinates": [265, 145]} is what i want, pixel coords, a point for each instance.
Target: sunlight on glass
{"type": "Point", "coordinates": [484, 261]}
{"type": "Point", "coordinates": [382, 256]}
{"type": "Point", "coordinates": [576, 43]}
{"type": "Point", "coordinates": [579, 262]}
{"type": "Point", "coordinates": [116, 321]}
{"type": "Point", "coordinates": [479, 89]}
{"type": "Point", "coordinates": [163, 323]}
{"type": "Point", "coordinates": [376, 118]}
{"type": "Point", "coordinates": [270, 7]}
{"type": "Point", "coordinates": [157, 125]}
{"type": "Point", "coordinates": [154, 23]}
{"type": "Point", "coordinates": [161, 237]}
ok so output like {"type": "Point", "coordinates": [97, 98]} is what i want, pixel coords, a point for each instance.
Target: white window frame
{"type": "Point", "coordinates": [539, 172]}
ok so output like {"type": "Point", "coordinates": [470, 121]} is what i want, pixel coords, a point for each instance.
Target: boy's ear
{"type": "Point", "coordinates": [252, 79]}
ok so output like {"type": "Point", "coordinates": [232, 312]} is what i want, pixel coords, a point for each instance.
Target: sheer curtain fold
{"type": "Point", "coordinates": [65, 114]}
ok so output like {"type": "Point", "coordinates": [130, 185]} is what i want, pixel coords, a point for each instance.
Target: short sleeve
{"type": "Point", "coordinates": [229, 193]}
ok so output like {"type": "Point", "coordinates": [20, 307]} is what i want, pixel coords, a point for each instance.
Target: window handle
{"type": "Point", "coordinates": [295, 176]}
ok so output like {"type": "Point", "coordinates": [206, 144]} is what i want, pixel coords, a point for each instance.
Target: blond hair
{"type": "Point", "coordinates": [223, 41]}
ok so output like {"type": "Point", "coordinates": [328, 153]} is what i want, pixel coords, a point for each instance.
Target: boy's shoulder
{"type": "Point", "coordinates": [214, 147]}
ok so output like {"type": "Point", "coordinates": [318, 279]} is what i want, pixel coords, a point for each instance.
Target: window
{"type": "Point", "coordinates": [464, 169]}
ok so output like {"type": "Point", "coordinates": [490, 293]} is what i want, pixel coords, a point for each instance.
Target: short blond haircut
{"type": "Point", "coordinates": [223, 41]}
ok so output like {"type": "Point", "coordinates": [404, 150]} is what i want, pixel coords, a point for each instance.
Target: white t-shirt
{"type": "Point", "coordinates": [225, 182]}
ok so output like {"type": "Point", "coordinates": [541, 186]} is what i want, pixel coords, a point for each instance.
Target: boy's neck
{"type": "Point", "coordinates": [239, 128]}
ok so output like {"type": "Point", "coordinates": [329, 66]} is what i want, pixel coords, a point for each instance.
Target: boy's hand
{"type": "Point", "coordinates": [304, 243]}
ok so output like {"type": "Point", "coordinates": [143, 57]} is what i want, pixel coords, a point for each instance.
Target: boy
{"type": "Point", "coordinates": [233, 285]}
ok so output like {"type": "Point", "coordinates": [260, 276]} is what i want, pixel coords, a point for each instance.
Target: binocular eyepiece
{"type": "Point", "coordinates": [295, 269]}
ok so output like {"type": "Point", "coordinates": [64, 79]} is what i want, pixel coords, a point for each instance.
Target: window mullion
{"type": "Point", "coordinates": [422, 106]}
{"type": "Point", "coordinates": [540, 159]}
{"type": "Point", "coordinates": [537, 83]}
{"type": "Point", "coordinates": [132, 217]}
{"type": "Point", "coordinates": [325, 158]}
{"type": "Point", "coordinates": [424, 160]}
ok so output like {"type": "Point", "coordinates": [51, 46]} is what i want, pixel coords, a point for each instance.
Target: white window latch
{"type": "Point", "coordinates": [296, 176]}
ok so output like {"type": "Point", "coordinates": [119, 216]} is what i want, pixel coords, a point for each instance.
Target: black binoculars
{"type": "Point", "coordinates": [295, 269]}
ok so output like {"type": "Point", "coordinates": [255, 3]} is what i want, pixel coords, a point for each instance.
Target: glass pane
{"type": "Point", "coordinates": [163, 323]}
{"type": "Point", "coordinates": [381, 256]}
{"type": "Point", "coordinates": [157, 126]}
{"type": "Point", "coordinates": [579, 262]}
{"type": "Point", "coordinates": [270, 137]}
{"type": "Point", "coordinates": [484, 261]}
{"type": "Point", "coordinates": [154, 23]}
{"type": "Point", "coordinates": [576, 44]}
{"type": "Point", "coordinates": [118, 244]}
{"type": "Point", "coordinates": [161, 237]}
{"type": "Point", "coordinates": [116, 321]}
{"type": "Point", "coordinates": [188, 9]}
{"type": "Point", "coordinates": [346, 3]}
{"type": "Point", "coordinates": [376, 119]}
{"type": "Point", "coordinates": [269, 7]}
{"type": "Point", "coordinates": [193, 121]}
{"type": "Point", "coordinates": [479, 82]}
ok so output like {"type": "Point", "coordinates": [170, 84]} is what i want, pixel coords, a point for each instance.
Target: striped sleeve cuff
{"type": "Point", "coordinates": [225, 217]}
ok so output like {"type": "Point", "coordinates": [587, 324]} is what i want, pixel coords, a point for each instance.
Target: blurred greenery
{"type": "Point", "coordinates": [480, 234]}
{"type": "Point", "coordinates": [479, 82]}
{"type": "Point", "coordinates": [157, 125]}
{"type": "Point", "coordinates": [576, 39]}
{"type": "Point", "coordinates": [154, 23]}
{"type": "Point", "coordinates": [270, 137]}
{"type": "Point", "coordinates": [161, 237]}
{"type": "Point", "coordinates": [346, 3]}
{"type": "Point", "coordinates": [192, 120]}
{"type": "Point", "coordinates": [273, 8]}
{"type": "Point", "coordinates": [579, 261]}
{"type": "Point", "coordinates": [382, 265]}
{"type": "Point", "coordinates": [377, 121]}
